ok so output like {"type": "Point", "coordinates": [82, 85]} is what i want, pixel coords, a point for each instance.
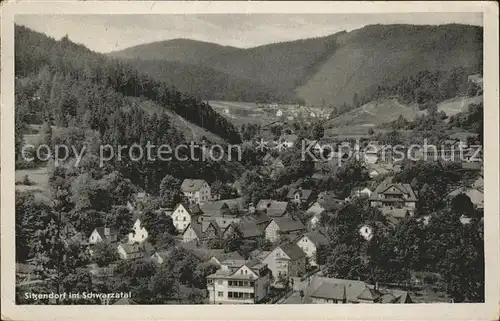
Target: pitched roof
{"type": "Point", "coordinates": [192, 209]}
{"type": "Point", "coordinates": [130, 248]}
{"type": "Point", "coordinates": [111, 231]}
{"type": "Point", "coordinates": [383, 188]}
{"type": "Point", "coordinates": [316, 238]}
{"type": "Point", "coordinates": [249, 229]}
{"type": "Point", "coordinates": [222, 256]}
{"type": "Point", "coordinates": [286, 224]}
{"type": "Point", "coordinates": [475, 195]}
{"type": "Point", "coordinates": [192, 185]}
{"type": "Point", "coordinates": [272, 208]}
{"type": "Point", "coordinates": [293, 251]}
{"type": "Point", "coordinates": [304, 193]}
{"type": "Point", "coordinates": [338, 289]}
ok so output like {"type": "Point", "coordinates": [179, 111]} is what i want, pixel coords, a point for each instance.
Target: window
{"type": "Point", "coordinates": [251, 295]}
{"type": "Point", "coordinates": [229, 294]}
{"type": "Point", "coordinates": [220, 294]}
{"type": "Point", "coordinates": [240, 283]}
{"type": "Point", "coordinates": [251, 283]}
{"type": "Point", "coordinates": [184, 218]}
{"type": "Point", "coordinates": [241, 272]}
{"type": "Point", "coordinates": [142, 235]}
{"type": "Point", "coordinates": [245, 271]}
{"type": "Point", "coordinates": [246, 295]}
{"type": "Point", "coordinates": [221, 281]}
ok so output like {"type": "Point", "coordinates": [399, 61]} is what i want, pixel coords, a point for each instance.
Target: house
{"type": "Point", "coordinates": [394, 195]}
{"type": "Point", "coordinates": [273, 208]}
{"type": "Point", "coordinates": [375, 170]}
{"type": "Point", "coordinates": [268, 160]}
{"type": "Point", "coordinates": [136, 201]}
{"type": "Point", "coordinates": [160, 256]}
{"type": "Point", "coordinates": [183, 214]}
{"type": "Point", "coordinates": [318, 207]}
{"type": "Point", "coordinates": [101, 234]}
{"type": "Point", "coordinates": [220, 256]}
{"type": "Point", "coordinates": [202, 232]}
{"type": "Point", "coordinates": [276, 167]}
{"type": "Point", "coordinates": [138, 234]}
{"type": "Point", "coordinates": [476, 79]}
{"type": "Point", "coordinates": [359, 192]}
{"type": "Point", "coordinates": [197, 191]}
{"type": "Point", "coordinates": [299, 196]}
{"type": "Point", "coordinates": [283, 226]}
{"type": "Point", "coordinates": [323, 290]}
{"type": "Point", "coordinates": [279, 113]}
{"type": "Point", "coordinates": [286, 260]}
{"type": "Point", "coordinates": [309, 243]}
{"type": "Point", "coordinates": [479, 184]}
{"type": "Point", "coordinates": [476, 196]}
{"type": "Point", "coordinates": [239, 282]}
{"type": "Point", "coordinates": [130, 251]}
{"type": "Point", "coordinates": [288, 141]}
{"type": "Point", "coordinates": [247, 230]}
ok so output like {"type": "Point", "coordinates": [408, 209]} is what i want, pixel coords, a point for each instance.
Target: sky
{"type": "Point", "coordinates": [105, 33]}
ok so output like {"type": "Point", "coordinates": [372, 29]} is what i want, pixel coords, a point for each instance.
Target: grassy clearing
{"type": "Point", "coordinates": [39, 179]}
{"type": "Point", "coordinates": [459, 104]}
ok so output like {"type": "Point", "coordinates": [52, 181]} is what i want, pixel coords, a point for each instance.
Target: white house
{"type": "Point", "coordinates": [286, 260]}
{"type": "Point", "coordinates": [309, 243]}
{"type": "Point", "coordinates": [197, 191]}
{"type": "Point", "coordinates": [101, 234]}
{"type": "Point", "coordinates": [160, 257]}
{"type": "Point", "coordinates": [183, 214]}
{"type": "Point", "coordinates": [279, 113]}
{"type": "Point", "coordinates": [239, 282]}
{"type": "Point", "coordinates": [138, 234]}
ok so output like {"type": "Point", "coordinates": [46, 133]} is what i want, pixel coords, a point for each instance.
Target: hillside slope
{"type": "Point", "coordinates": [328, 70]}
{"type": "Point", "coordinates": [382, 55]}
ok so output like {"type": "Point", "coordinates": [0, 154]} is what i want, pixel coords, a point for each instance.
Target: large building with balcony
{"type": "Point", "coordinates": [239, 282]}
{"type": "Point", "coordinates": [394, 197]}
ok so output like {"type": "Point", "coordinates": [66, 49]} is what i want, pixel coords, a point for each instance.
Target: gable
{"type": "Point", "coordinates": [245, 270]}
{"type": "Point", "coordinates": [96, 235]}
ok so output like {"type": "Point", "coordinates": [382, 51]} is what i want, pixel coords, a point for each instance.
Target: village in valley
{"type": "Point", "coordinates": [374, 199]}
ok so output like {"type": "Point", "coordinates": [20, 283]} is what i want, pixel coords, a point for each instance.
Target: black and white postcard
{"type": "Point", "coordinates": [204, 160]}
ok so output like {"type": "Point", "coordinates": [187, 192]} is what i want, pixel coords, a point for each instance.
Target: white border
{"type": "Point", "coordinates": [484, 311]}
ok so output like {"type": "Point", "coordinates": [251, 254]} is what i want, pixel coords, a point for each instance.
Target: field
{"type": "Point", "coordinates": [459, 104]}
{"type": "Point", "coordinates": [39, 178]}
{"type": "Point", "coordinates": [243, 113]}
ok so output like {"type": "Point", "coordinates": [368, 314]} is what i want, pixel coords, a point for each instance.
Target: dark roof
{"type": "Point", "coordinates": [192, 209]}
{"type": "Point", "coordinates": [383, 188]}
{"type": "Point", "coordinates": [249, 229]}
{"type": "Point", "coordinates": [316, 238]}
{"type": "Point", "coordinates": [101, 231]}
{"type": "Point", "coordinates": [292, 250]}
{"type": "Point", "coordinates": [286, 224]}
{"type": "Point", "coordinates": [130, 248]}
{"type": "Point", "coordinates": [192, 185]}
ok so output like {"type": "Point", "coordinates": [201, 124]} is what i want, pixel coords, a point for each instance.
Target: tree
{"type": "Point", "coordinates": [462, 204]}
{"type": "Point", "coordinates": [46, 134]}
{"type": "Point", "coordinates": [121, 218]}
{"type": "Point", "coordinates": [104, 253]}
{"type": "Point", "coordinates": [170, 191]}
{"type": "Point", "coordinates": [164, 285]}
{"type": "Point", "coordinates": [222, 190]}
{"type": "Point", "coordinates": [157, 224]}
{"type": "Point", "coordinates": [317, 130]}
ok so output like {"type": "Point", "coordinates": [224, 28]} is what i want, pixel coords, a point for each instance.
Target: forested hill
{"type": "Point", "coordinates": [325, 71]}
{"type": "Point", "coordinates": [90, 87]}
